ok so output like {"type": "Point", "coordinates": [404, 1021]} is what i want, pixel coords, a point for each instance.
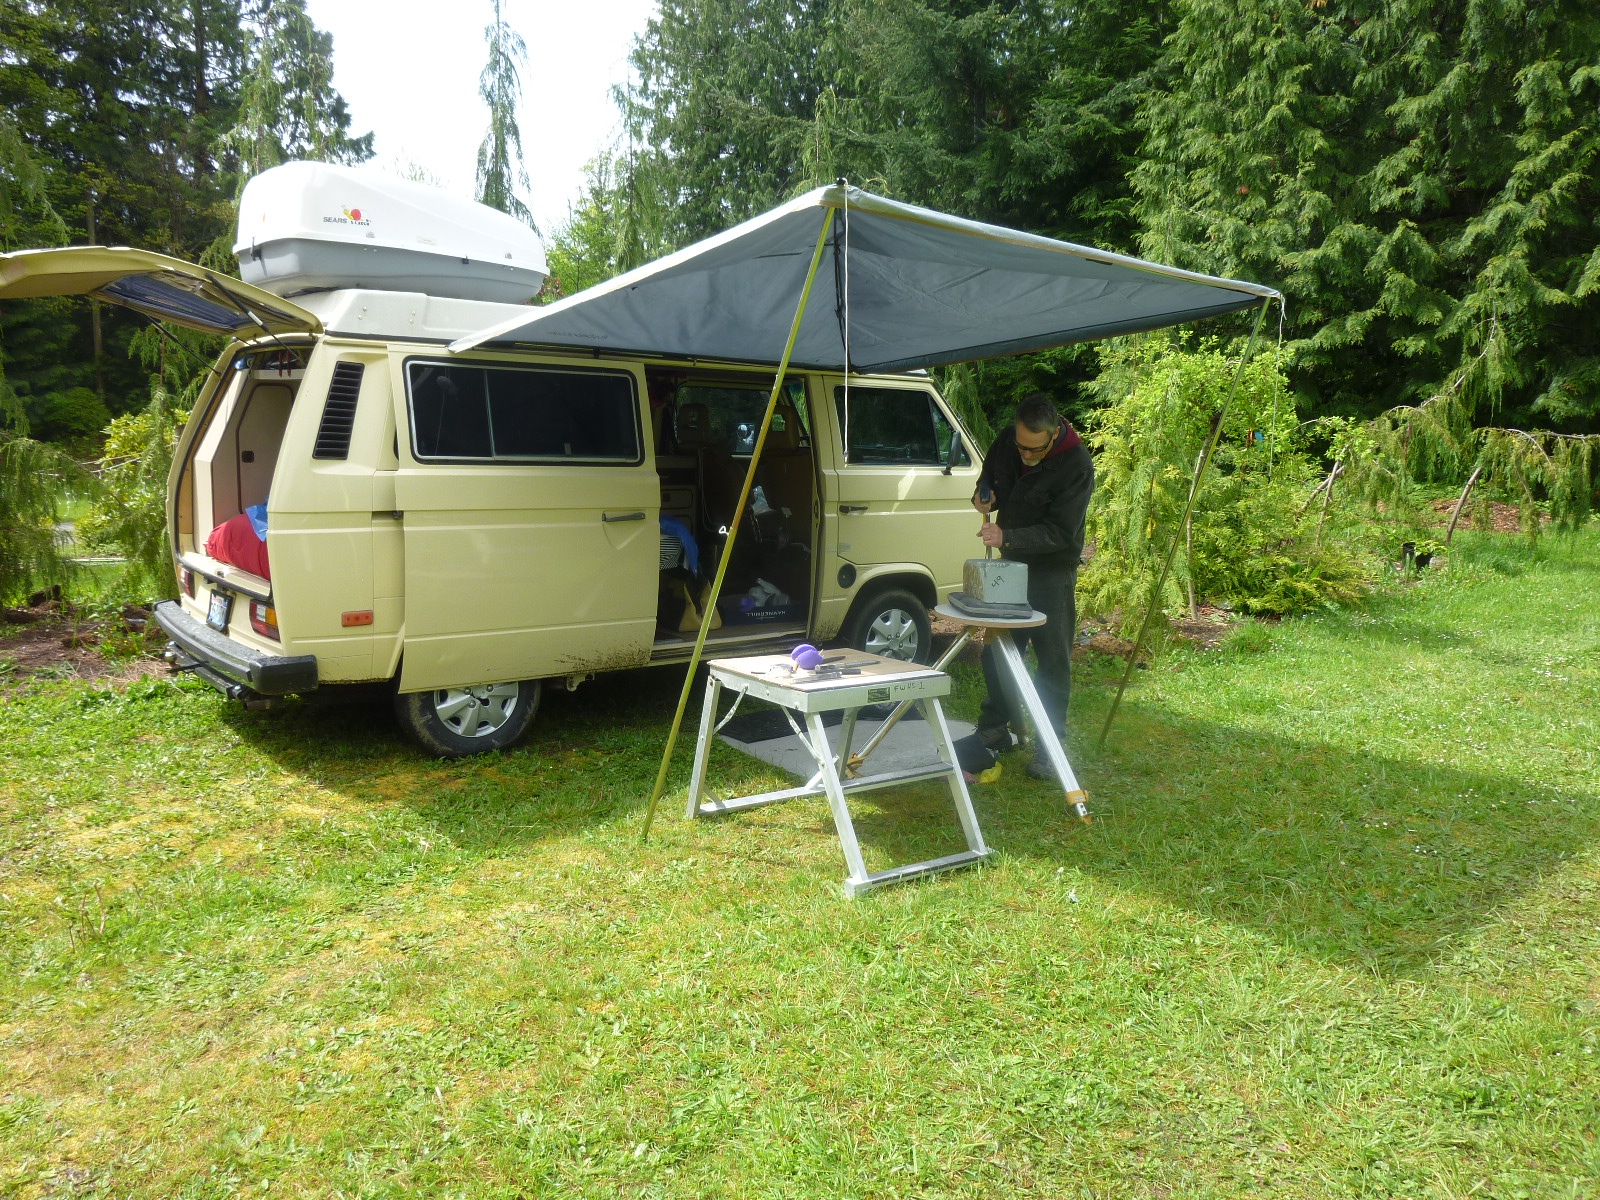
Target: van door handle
{"type": "Point", "coordinates": [633, 516]}
{"type": "Point", "coordinates": [847, 509]}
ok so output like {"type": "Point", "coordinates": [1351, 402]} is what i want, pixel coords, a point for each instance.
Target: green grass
{"type": "Point", "coordinates": [1335, 932]}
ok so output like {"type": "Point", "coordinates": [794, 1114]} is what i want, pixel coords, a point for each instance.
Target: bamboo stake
{"type": "Point", "coordinates": [1338, 470]}
{"type": "Point", "coordinates": [1461, 504]}
{"type": "Point", "coordinates": [1188, 548]}
{"type": "Point", "coordinates": [710, 604]}
{"type": "Point", "coordinates": [1327, 499]}
{"type": "Point", "coordinates": [1188, 511]}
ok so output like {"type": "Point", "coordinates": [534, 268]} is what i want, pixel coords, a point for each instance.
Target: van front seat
{"type": "Point", "coordinates": [786, 473]}
{"type": "Point", "coordinates": [720, 477]}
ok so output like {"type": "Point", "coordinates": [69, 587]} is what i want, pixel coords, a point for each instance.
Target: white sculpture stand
{"type": "Point", "coordinates": [878, 680]}
{"type": "Point", "coordinates": [1043, 731]}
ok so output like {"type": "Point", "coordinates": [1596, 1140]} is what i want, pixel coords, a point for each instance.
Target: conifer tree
{"type": "Point", "coordinates": [619, 222]}
{"type": "Point", "coordinates": [1423, 181]}
{"type": "Point", "coordinates": [500, 166]}
{"type": "Point", "coordinates": [288, 107]}
{"type": "Point", "coordinates": [33, 475]}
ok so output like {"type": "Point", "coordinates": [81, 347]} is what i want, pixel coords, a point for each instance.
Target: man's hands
{"type": "Point", "coordinates": [991, 535]}
{"type": "Point", "coordinates": [985, 506]}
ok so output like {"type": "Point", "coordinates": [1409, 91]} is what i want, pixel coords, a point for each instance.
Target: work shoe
{"type": "Point", "coordinates": [996, 739]}
{"type": "Point", "coordinates": [1040, 767]}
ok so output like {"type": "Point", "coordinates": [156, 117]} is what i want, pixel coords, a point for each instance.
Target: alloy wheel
{"type": "Point", "coordinates": [893, 634]}
{"type": "Point", "coordinates": [475, 711]}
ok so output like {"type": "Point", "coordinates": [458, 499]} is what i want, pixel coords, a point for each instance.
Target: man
{"type": "Point", "coordinates": [1039, 477]}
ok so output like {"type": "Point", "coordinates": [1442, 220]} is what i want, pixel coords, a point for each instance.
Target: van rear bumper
{"type": "Point", "coordinates": [226, 665]}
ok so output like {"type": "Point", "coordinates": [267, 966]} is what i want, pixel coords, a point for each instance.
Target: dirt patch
{"type": "Point", "coordinates": [1503, 518]}
{"type": "Point", "coordinates": [1103, 641]}
{"type": "Point", "coordinates": [54, 639]}
{"type": "Point", "coordinates": [1095, 637]}
{"type": "Point", "coordinates": [1207, 628]}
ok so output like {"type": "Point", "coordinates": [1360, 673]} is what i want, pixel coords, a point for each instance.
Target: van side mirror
{"type": "Point", "coordinates": [956, 456]}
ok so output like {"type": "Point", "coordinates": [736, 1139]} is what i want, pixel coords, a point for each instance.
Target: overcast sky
{"type": "Point", "coordinates": [409, 70]}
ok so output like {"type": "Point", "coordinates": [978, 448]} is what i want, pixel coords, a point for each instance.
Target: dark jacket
{"type": "Point", "coordinates": [1041, 510]}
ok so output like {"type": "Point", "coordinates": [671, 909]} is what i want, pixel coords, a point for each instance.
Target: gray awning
{"type": "Point", "coordinates": [920, 289]}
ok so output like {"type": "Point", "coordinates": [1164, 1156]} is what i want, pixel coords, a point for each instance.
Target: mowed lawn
{"type": "Point", "coordinates": [1335, 932]}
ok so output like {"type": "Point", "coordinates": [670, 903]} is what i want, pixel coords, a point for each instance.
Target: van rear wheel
{"type": "Point", "coordinates": [456, 722]}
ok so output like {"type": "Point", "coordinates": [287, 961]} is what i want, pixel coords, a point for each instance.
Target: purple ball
{"type": "Point", "coordinates": [806, 656]}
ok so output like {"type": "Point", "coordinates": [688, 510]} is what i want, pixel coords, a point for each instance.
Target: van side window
{"type": "Point", "coordinates": [522, 413]}
{"type": "Point", "coordinates": [892, 427]}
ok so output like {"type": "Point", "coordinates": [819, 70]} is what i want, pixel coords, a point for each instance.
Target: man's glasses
{"type": "Point", "coordinates": [1028, 451]}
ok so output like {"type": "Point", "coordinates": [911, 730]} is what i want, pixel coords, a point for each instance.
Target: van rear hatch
{"type": "Point", "coordinates": [161, 287]}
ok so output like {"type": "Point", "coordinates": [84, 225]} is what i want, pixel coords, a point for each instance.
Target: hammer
{"type": "Point", "coordinates": [987, 496]}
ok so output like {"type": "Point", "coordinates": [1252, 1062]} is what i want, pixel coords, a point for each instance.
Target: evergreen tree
{"type": "Point", "coordinates": [131, 111]}
{"type": "Point", "coordinates": [500, 167]}
{"type": "Point", "coordinates": [1422, 181]}
{"type": "Point", "coordinates": [1014, 111]}
{"type": "Point", "coordinates": [104, 96]}
{"type": "Point", "coordinates": [288, 108]}
{"type": "Point", "coordinates": [33, 475]}
{"type": "Point", "coordinates": [26, 217]}
{"type": "Point", "coordinates": [618, 223]}
{"type": "Point", "coordinates": [725, 102]}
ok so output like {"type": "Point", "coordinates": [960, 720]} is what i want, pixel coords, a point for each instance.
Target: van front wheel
{"type": "Point", "coordinates": [456, 722]}
{"type": "Point", "coordinates": [893, 623]}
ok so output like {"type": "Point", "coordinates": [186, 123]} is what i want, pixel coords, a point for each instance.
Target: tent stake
{"type": "Point", "coordinates": [710, 604]}
{"type": "Point", "coordinates": [1183, 523]}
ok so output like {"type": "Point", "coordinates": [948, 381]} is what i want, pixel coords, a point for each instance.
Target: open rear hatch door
{"type": "Point", "coordinates": [161, 287]}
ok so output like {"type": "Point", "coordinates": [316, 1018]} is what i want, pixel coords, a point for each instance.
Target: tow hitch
{"type": "Point", "coordinates": [178, 662]}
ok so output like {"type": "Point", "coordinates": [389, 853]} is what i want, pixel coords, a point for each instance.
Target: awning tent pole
{"type": "Point", "coordinates": [709, 604]}
{"type": "Point", "coordinates": [1214, 435]}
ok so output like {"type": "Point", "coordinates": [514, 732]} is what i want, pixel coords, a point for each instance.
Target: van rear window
{"type": "Point", "coordinates": [522, 414]}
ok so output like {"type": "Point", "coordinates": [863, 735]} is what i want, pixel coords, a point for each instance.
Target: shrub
{"type": "Point", "coordinates": [1254, 540]}
{"type": "Point", "coordinates": [129, 517]}
{"type": "Point", "coordinates": [74, 416]}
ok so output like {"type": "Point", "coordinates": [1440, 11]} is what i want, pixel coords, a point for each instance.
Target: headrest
{"type": "Point", "coordinates": [788, 437]}
{"type": "Point", "coordinates": [692, 426]}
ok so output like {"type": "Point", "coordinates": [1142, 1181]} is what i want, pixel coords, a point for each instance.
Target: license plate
{"type": "Point", "coordinates": [219, 611]}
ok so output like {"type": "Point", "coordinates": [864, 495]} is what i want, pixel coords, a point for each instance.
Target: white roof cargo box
{"type": "Point", "coordinates": [307, 227]}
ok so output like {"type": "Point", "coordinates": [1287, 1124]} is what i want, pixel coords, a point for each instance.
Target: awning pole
{"type": "Point", "coordinates": [710, 603]}
{"type": "Point", "coordinates": [1215, 434]}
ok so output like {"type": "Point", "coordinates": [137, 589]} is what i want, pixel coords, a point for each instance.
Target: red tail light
{"type": "Point", "coordinates": [186, 580]}
{"type": "Point", "coordinates": [264, 620]}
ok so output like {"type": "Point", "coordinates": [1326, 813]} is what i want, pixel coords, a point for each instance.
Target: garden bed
{"type": "Point", "coordinates": [53, 638]}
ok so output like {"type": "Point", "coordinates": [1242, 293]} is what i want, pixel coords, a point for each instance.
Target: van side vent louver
{"type": "Point", "coordinates": [339, 413]}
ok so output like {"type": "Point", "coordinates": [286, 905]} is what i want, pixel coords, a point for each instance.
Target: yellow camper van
{"type": "Point", "coordinates": [472, 527]}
